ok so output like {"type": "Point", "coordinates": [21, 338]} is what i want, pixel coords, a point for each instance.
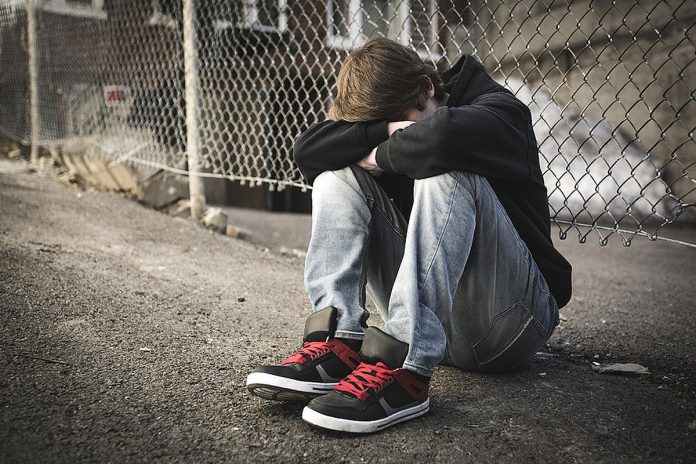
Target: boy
{"type": "Point", "coordinates": [472, 278]}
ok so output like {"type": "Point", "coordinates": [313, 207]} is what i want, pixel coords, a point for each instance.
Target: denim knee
{"type": "Point", "coordinates": [442, 183]}
{"type": "Point", "coordinates": [328, 178]}
{"type": "Point", "coordinates": [338, 182]}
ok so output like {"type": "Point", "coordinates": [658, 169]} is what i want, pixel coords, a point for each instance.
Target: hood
{"type": "Point", "coordinates": [468, 79]}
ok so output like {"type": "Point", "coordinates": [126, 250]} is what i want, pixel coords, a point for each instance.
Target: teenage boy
{"type": "Point", "coordinates": [471, 279]}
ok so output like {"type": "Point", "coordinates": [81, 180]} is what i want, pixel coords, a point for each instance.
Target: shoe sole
{"type": "Point", "coordinates": [352, 426]}
{"type": "Point", "coordinates": [276, 388]}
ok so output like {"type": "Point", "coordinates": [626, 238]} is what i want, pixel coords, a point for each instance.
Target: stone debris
{"type": "Point", "coordinates": [10, 148]}
{"type": "Point", "coordinates": [292, 252]}
{"type": "Point", "coordinates": [181, 209]}
{"type": "Point", "coordinates": [90, 163]}
{"type": "Point", "coordinates": [237, 232]}
{"type": "Point", "coordinates": [164, 189]}
{"type": "Point", "coordinates": [621, 369]}
{"type": "Point", "coordinates": [47, 164]}
{"type": "Point", "coordinates": [215, 219]}
{"type": "Point", "coordinates": [70, 177]}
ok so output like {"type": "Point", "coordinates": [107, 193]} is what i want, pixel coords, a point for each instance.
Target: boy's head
{"type": "Point", "coordinates": [384, 80]}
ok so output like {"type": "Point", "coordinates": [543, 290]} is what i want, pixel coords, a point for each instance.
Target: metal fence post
{"type": "Point", "coordinates": [196, 192]}
{"type": "Point", "coordinates": [33, 82]}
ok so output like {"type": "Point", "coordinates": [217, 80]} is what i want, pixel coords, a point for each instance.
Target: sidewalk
{"type": "Point", "coordinates": [126, 336]}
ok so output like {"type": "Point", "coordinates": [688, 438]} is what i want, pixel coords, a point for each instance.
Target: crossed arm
{"type": "Point", "coordinates": [369, 162]}
{"type": "Point", "coordinates": [331, 145]}
{"type": "Point", "coordinates": [492, 137]}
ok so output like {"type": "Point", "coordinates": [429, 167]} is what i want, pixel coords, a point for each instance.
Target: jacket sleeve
{"type": "Point", "coordinates": [332, 145]}
{"type": "Point", "coordinates": [491, 137]}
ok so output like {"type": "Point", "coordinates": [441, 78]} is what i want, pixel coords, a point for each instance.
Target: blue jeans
{"type": "Point", "coordinates": [456, 282]}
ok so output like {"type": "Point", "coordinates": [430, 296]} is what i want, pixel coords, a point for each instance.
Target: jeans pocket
{"type": "Point", "coordinates": [511, 341]}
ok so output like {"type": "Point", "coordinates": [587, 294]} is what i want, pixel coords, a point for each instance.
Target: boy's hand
{"type": "Point", "coordinates": [369, 163]}
{"type": "Point", "coordinates": [396, 125]}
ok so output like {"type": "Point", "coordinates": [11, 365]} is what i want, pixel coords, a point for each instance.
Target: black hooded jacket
{"type": "Point", "coordinates": [484, 129]}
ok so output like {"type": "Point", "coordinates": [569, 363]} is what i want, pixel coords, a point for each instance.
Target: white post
{"type": "Point", "coordinates": [196, 193]}
{"type": "Point", "coordinates": [33, 82]}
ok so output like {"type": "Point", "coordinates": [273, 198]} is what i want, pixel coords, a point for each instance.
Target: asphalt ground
{"type": "Point", "coordinates": [127, 335]}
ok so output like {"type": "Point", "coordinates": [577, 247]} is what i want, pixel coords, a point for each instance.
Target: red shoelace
{"type": "Point", "coordinates": [309, 350]}
{"type": "Point", "coordinates": [366, 377]}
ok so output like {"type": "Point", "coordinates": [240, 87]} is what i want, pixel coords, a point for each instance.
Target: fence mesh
{"type": "Point", "coordinates": [611, 86]}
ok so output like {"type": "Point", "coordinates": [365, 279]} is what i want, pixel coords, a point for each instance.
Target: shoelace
{"type": "Point", "coordinates": [309, 350]}
{"type": "Point", "coordinates": [366, 377]}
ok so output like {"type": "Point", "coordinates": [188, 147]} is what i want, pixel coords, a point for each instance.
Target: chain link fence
{"type": "Point", "coordinates": [611, 86]}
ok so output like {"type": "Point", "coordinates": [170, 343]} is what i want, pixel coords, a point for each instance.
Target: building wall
{"type": "Point", "coordinates": [603, 60]}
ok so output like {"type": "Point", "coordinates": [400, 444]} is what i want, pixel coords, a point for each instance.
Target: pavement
{"type": "Point", "coordinates": [126, 336]}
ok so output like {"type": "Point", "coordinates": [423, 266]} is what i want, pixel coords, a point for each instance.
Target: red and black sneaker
{"type": "Point", "coordinates": [377, 394]}
{"type": "Point", "coordinates": [315, 369]}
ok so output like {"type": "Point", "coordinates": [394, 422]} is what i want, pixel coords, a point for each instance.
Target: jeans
{"type": "Point", "coordinates": [456, 282]}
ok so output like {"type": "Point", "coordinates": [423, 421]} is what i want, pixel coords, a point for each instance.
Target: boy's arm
{"type": "Point", "coordinates": [332, 145]}
{"type": "Point", "coordinates": [369, 163]}
{"type": "Point", "coordinates": [491, 137]}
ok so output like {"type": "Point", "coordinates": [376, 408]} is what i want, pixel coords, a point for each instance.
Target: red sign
{"type": "Point", "coordinates": [117, 95]}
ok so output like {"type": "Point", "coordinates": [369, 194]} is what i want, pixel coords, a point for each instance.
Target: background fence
{"type": "Point", "coordinates": [611, 86]}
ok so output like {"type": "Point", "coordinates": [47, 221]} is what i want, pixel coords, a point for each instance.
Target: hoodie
{"type": "Point", "coordinates": [484, 129]}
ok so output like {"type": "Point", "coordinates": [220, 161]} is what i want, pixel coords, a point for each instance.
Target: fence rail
{"type": "Point", "coordinates": [611, 87]}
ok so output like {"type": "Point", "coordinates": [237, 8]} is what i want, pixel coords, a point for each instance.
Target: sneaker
{"type": "Point", "coordinates": [315, 369]}
{"type": "Point", "coordinates": [377, 394]}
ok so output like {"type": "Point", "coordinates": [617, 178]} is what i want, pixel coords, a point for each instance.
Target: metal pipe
{"type": "Point", "coordinates": [196, 191]}
{"type": "Point", "coordinates": [34, 119]}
